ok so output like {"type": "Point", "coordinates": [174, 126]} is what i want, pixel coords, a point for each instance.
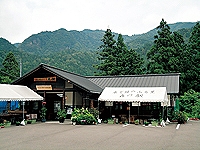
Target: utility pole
{"type": "Point", "coordinates": [20, 67]}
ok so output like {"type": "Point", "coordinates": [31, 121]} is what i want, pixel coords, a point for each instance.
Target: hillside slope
{"type": "Point", "coordinates": [74, 50]}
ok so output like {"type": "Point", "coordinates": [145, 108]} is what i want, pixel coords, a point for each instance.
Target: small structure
{"type": "Point", "coordinates": [135, 94]}
{"type": "Point", "coordinates": [17, 93]}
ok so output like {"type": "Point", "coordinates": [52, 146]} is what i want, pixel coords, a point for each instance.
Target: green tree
{"type": "Point", "coordinates": [107, 55]}
{"type": "Point", "coordinates": [121, 54]}
{"type": "Point", "coordinates": [192, 69]}
{"type": "Point", "coordinates": [128, 62]}
{"type": "Point", "coordinates": [116, 59]}
{"type": "Point", "coordinates": [190, 103]}
{"type": "Point", "coordinates": [134, 63]}
{"type": "Point", "coordinates": [168, 54]}
{"type": "Point", "coordinates": [10, 69]}
{"type": "Point", "coordinates": [158, 55]}
{"type": "Point", "coordinates": [165, 55]}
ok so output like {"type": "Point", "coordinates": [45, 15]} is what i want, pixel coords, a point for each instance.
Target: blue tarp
{"type": "Point", "coordinates": [13, 105]}
{"type": "Point", "coordinates": [3, 106]}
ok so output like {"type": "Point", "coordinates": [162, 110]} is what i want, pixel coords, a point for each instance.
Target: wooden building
{"type": "Point", "coordinates": [67, 90]}
{"type": "Point", "coordinates": [61, 90]}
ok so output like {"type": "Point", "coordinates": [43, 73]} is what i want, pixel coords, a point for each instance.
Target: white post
{"type": "Point", "coordinates": [129, 112]}
{"type": "Point", "coordinates": [23, 108]}
{"type": "Point", "coordinates": [163, 111]}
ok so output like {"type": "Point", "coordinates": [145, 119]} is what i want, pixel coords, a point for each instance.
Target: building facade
{"type": "Point", "coordinates": [65, 90]}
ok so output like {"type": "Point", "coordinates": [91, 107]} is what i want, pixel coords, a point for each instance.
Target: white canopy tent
{"type": "Point", "coordinates": [135, 94]}
{"type": "Point", "coordinates": [18, 93]}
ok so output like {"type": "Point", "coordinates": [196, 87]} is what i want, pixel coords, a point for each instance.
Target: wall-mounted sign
{"type": "Point", "coordinates": [108, 103]}
{"type": "Point", "coordinates": [136, 104]}
{"type": "Point", "coordinates": [52, 79]}
{"type": "Point", "coordinates": [43, 87]}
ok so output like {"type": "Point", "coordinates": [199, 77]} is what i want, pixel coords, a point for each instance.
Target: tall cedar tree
{"type": "Point", "coordinates": [134, 63]}
{"type": "Point", "coordinates": [116, 59]}
{"type": "Point", "coordinates": [128, 61]}
{"type": "Point", "coordinates": [122, 51]}
{"type": "Point", "coordinates": [10, 69]}
{"type": "Point", "coordinates": [165, 55]}
{"type": "Point", "coordinates": [107, 55]}
{"type": "Point", "coordinates": [192, 71]}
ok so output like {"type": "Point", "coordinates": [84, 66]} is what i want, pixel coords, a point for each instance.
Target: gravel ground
{"type": "Point", "coordinates": [55, 136]}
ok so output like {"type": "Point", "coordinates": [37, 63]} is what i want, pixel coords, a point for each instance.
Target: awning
{"type": "Point", "coordinates": [18, 93]}
{"type": "Point", "coordinates": [134, 94]}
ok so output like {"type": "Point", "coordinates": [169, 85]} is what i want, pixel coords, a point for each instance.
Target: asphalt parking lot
{"type": "Point", "coordinates": [55, 136]}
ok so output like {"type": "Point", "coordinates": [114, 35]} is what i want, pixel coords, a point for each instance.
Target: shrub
{"type": "Point", "coordinates": [182, 117]}
{"type": "Point", "coordinates": [190, 103]}
{"type": "Point", "coordinates": [94, 112]}
{"type": "Point", "coordinates": [61, 114]}
{"type": "Point", "coordinates": [82, 116]}
{"type": "Point", "coordinates": [43, 112]}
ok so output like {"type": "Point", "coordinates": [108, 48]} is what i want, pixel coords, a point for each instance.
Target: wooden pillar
{"type": "Point", "coordinates": [91, 104]}
{"type": "Point", "coordinates": [73, 99]}
{"type": "Point", "coordinates": [63, 100]}
{"type": "Point", "coordinates": [44, 96]}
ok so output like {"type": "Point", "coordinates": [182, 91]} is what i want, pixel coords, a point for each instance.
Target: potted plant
{"type": "Point", "coordinates": [146, 123]}
{"type": "Point", "coordinates": [33, 121]}
{"type": "Point", "coordinates": [136, 121]}
{"type": "Point", "coordinates": [2, 125]}
{"type": "Point", "coordinates": [110, 121]}
{"type": "Point", "coordinates": [61, 114]}
{"type": "Point", "coordinates": [154, 123]}
{"type": "Point", "coordinates": [74, 120]}
{"type": "Point", "coordinates": [17, 123]}
{"type": "Point", "coordinates": [7, 124]}
{"type": "Point", "coordinates": [29, 121]}
{"type": "Point", "coordinates": [43, 114]}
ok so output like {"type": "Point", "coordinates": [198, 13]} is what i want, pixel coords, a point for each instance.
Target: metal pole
{"type": "Point", "coordinates": [129, 111]}
{"type": "Point", "coordinates": [20, 67]}
{"type": "Point", "coordinates": [23, 109]}
{"type": "Point", "coordinates": [163, 112]}
{"type": "Point", "coordinates": [98, 110]}
{"type": "Point", "coordinates": [138, 109]}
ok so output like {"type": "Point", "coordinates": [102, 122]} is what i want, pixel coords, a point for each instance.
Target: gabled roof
{"type": "Point", "coordinates": [76, 79]}
{"type": "Point", "coordinates": [170, 81]}
{"type": "Point", "coordinates": [96, 84]}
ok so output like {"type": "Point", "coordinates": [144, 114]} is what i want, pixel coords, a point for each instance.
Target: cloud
{"type": "Point", "coordinates": [22, 18]}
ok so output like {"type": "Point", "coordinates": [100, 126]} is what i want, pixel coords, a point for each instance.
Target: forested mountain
{"type": "Point", "coordinates": [75, 51]}
{"type": "Point", "coordinates": [143, 42]}
{"type": "Point", "coordinates": [5, 48]}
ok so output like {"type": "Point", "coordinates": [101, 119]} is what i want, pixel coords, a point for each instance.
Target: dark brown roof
{"type": "Point", "coordinates": [96, 84]}
{"type": "Point", "coordinates": [76, 79]}
{"type": "Point", "coordinates": [170, 81]}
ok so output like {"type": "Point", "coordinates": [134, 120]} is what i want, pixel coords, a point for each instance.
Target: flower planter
{"type": "Point", "coordinates": [43, 120]}
{"type": "Point", "coordinates": [7, 124]}
{"type": "Point", "coordinates": [17, 123]}
{"type": "Point", "coordinates": [33, 121]}
{"type": "Point", "coordinates": [61, 120]}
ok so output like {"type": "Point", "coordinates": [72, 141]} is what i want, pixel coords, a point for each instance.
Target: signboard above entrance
{"type": "Point", "coordinates": [46, 79]}
{"type": "Point", "coordinates": [43, 87]}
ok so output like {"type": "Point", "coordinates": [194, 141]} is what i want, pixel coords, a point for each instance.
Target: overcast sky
{"type": "Point", "coordinates": [19, 19]}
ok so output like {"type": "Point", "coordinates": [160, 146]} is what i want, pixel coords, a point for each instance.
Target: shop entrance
{"type": "Point", "coordinates": [53, 104]}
